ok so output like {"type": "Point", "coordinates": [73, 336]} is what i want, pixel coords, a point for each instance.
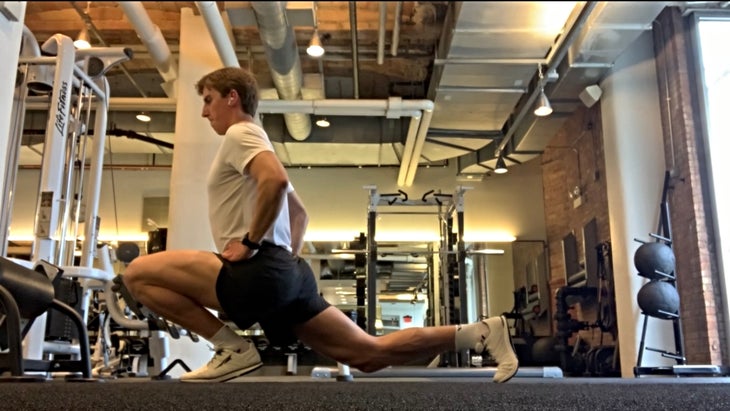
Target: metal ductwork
{"type": "Point", "coordinates": [279, 41]}
{"type": "Point", "coordinates": [587, 60]}
{"type": "Point", "coordinates": [151, 36]}
{"type": "Point", "coordinates": [583, 58]}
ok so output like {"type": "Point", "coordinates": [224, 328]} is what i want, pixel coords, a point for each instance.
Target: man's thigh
{"type": "Point", "coordinates": [187, 272]}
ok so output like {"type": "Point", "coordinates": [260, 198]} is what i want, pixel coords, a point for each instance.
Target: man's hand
{"type": "Point", "coordinates": [236, 251]}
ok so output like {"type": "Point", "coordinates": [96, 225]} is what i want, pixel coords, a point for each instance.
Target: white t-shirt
{"type": "Point", "coordinates": [232, 192]}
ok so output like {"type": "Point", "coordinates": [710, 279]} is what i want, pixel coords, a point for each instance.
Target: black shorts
{"type": "Point", "coordinates": [274, 288]}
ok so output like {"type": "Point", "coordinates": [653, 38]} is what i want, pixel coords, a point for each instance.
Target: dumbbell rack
{"type": "Point", "coordinates": [681, 367]}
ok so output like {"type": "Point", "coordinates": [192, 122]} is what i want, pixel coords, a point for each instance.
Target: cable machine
{"type": "Point", "coordinates": [74, 84]}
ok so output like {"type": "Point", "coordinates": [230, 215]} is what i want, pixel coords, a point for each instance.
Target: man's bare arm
{"type": "Point", "coordinates": [298, 221]}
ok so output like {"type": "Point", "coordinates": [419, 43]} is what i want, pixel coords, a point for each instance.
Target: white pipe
{"type": "Point", "coordinates": [381, 31]}
{"type": "Point", "coordinates": [152, 38]}
{"type": "Point", "coordinates": [418, 148]}
{"type": "Point", "coordinates": [396, 29]}
{"type": "Point", "coordinates": [392, 108]}
{"type": "Point", "coordinates": [213, 20]}
{"type": "Point", "coordinates": [408, 150]}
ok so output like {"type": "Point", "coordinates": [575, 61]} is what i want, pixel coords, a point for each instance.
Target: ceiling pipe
{"type": "Point", "coordinates": [393, 107]}
{"type": "Point", "coordinates": [417, 148]}
{"type": "Point", "coordinates": [151, 36]}
{"type": "Point", "coordinates": [282, 54]}
{"type": "Point", "coordinates": [553, 60]}
{"type": "Point", "coordinates": [353, 36]}
{"type": "Point", "coordinates": [217, 29]}
{"type": "Point", "coordinates": [383, 6]}
{"type": "Point", "coordinates": [396, 29]}
{"type": "Point", "coordinates": [408, 149]}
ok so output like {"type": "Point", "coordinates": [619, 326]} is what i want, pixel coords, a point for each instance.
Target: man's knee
{"type": "Point", "coordinates": [134, 273]}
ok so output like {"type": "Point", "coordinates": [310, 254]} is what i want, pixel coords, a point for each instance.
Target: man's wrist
{"type": "Point", "coordinates": [250, 244]}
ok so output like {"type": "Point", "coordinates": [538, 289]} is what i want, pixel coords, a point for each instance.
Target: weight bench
{"type": "Point", "coordinates": [26, 294]}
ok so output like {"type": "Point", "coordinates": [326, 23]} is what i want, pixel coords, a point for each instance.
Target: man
{"type": "Point", "coordinates": [258, 224]}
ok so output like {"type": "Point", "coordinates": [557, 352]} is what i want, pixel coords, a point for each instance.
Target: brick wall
{"type": "Point", "coordinates": [574, 157]}
{"type": "Point", "coordinates": [692, 233]}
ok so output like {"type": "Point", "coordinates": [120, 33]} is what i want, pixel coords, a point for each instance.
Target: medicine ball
{"type": "Point", "coordinates": [657, 296]}
{"type": "Point", "coordinates": [651, 257]}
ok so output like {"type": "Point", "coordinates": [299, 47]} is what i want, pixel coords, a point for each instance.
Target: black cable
{"type": "Point", "coordinates": [114, 189]}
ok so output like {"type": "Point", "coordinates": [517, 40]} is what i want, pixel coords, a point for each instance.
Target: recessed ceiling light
{"type": "Point", "coordinates": [323, 122]}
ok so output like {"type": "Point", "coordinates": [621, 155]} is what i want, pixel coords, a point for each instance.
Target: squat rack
{"type": "Point", "coordinates": [447, 207]}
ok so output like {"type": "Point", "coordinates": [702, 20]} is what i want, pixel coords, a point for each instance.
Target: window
{"type": "Point", "coordinates": [711, 33]}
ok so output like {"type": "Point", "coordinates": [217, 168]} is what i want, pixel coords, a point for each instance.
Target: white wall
{"type": "Point", "coordinates": [120, 202]}
{"type": "Point", "coordinates": [635, 169]}
{"type": "Point", "coordinates": [337, 202]}
{"type": "Point", "coordinates": [334, 198]}
{"type": "Point", "coordinates": [500, 282]}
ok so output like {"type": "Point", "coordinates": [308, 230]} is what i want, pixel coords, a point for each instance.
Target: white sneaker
{"type": "Point", "coordinates": [226, 364]}
{"type": "Point", "coordinates": [499, 344]}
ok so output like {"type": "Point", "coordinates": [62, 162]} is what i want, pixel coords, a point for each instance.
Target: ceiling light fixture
{"type": "Point", "coordinates": [82, 40]}
{"type": "Point", "coordinates": [323, 122]}
{"type": "Point", "coordinates": [542, 106]}
{"type": "Point", "coordinates": [501, 167]}
{"type": "Point", "coordinates": [144, 117]}
{"type": "Point", "coordinates": [315, 48]}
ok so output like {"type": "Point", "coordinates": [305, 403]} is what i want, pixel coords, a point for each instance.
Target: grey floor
{"type": "Point", "coordinates": [265, 391]}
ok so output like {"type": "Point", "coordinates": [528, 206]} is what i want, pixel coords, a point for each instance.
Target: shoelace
{"type": "Point", "coordinates": [219, 357]}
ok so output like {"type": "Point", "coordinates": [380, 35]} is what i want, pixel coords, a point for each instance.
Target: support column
{"type": "Point", "coordinates": [195, 146]}
{"type": "Point", "coordinates": [195, 142]}
{"type": "Point", "coordinates": [634, 148]}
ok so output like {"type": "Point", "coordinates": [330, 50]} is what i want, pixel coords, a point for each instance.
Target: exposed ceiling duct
{"type": "Point", "coordinates": [282, 53]}
{"type": "Point", "coordinates": [152, 38]}
{"type": "Point", "coordinates": [475, 63]}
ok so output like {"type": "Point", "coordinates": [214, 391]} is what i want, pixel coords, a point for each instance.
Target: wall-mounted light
{"type": "Point", "coordinates": [143, 117]}
{"type": "Point", "coordinates": [501, 167]}
{"type": "Point", "coordinates": [542, 106]}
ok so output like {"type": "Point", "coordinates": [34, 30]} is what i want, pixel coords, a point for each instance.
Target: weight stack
{"type": "Point", "coordinates": [60, 327]}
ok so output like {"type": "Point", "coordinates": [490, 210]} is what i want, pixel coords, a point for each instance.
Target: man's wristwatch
{"type": "Point", "coordinates": [250, 244]}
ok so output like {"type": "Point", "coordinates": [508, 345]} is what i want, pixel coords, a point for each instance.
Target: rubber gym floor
{"type": "Point", "coordinates": [306, 393]}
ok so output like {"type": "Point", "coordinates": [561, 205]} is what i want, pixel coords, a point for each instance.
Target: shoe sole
{"type": "Point", "coordinates": [509, 337]}
{"type": "Point", "coordinates": [226, 377]}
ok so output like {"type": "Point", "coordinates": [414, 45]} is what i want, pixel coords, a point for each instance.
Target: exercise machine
{"type": "Point", "coordinates": [449, 209]}
{"type": "Point", "coordinates": [73, 84]}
